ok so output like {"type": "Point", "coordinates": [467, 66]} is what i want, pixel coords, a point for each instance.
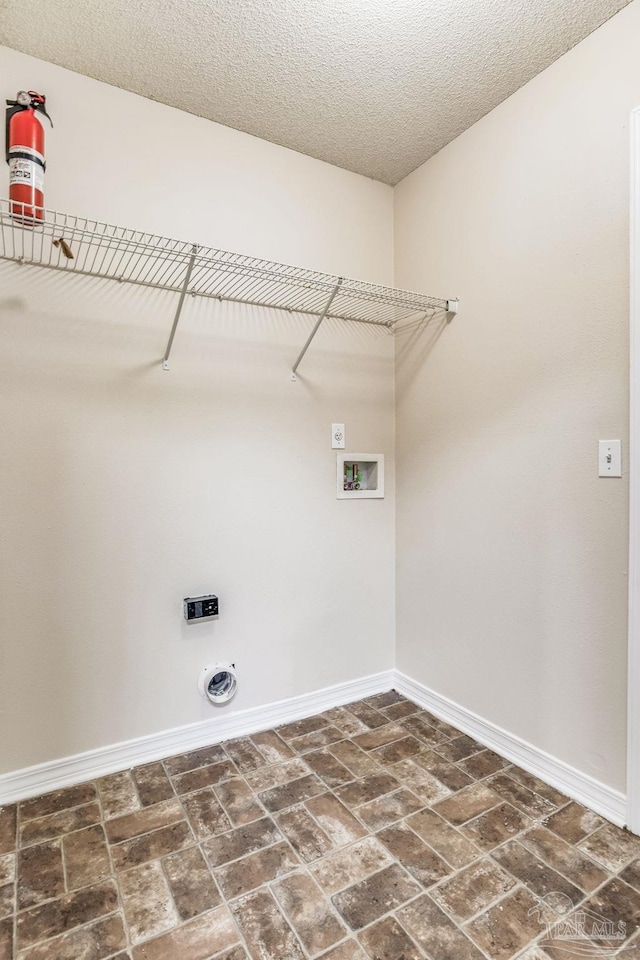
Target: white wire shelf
{"type": "Point", "coordinates": [60, 241]}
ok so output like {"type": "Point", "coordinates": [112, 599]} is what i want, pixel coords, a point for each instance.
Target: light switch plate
{"type": "Point", "coordinates": [337, 436]}
{"type": "Point", "coordinates": [609, 458]}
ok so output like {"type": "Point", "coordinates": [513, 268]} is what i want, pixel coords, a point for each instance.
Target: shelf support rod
{"type": "Point", "coordinates": [183, 293]}
{"type": "Point", "coordinates": [316, 328]}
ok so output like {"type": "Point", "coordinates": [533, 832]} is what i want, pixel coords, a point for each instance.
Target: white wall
{"type": "Point", "coordinates": [124, 488]}
{"type": "Point", "coordinates": [512, 554]}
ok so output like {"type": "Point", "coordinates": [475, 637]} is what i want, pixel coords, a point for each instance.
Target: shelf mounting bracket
{"type": "Point", "coordinates": [452, 308]}
{"type": "Point", "coordinates": [324, 313]}
{"type": "Point", "coordinates": [183, 293]}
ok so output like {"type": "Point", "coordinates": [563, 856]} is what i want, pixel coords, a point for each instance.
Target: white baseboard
{"type": "Point", "coordinates": [579, 786]}
{"type": "Point", "coordinates": [55, 774]}
{"type": "Point", "coordinates": [44, 777]}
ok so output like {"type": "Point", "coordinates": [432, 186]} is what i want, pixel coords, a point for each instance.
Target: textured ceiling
{"type": "Point", "coordinates": [376, 86]}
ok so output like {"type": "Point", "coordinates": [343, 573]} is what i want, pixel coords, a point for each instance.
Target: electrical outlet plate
{"type": "Point", "coordinates": [337, 436]}
{"type": "Point", "coordinates": [609, 458]}
{"type": "Point", "coordinates": [197, 609]}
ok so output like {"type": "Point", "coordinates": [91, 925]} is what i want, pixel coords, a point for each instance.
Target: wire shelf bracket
{"type": "Point", "coordinates": [183, 293]}
{"type": "Point", "coordinates": [294, 369]}
{"type": "Point", "coordinates": [60, 241]}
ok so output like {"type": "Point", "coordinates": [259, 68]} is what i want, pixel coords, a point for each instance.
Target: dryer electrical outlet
{"type": "Point", "coordinates": [337, 436]}
{"type": "Point", "coordinates": [200, 608]}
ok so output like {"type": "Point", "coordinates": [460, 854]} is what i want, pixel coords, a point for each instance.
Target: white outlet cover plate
{"type": "Point", "coordinates": [337, 436]}
{"type": "Point", "coordinates": [609, 458]}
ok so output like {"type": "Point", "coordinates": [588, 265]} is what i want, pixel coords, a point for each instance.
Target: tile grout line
{"type": "Point", "coordinates": [393, 858]}
{"type": "Point", "coordinates": [301, 864]}
{"type": "Point", "coordinates": [182, 806]}
{"type": "Point", "coordinates": [285, 916]}
{"type": "Point", "coordinates": [125, 925]}
{"type": "Point", "coordinates": [305, 867]}
{"type": "Point", "coordinates": [68, 892]}
{"type": "Point", "coordinates": [55, 836]}
{"type": "Point", "coordinates": [14, 946]}
{"type": "Point", "coordinates": [517, 838]}
{"type": "Point", "coordinates": [198, 846]}
{"type": "Point", "coordinates": [408, 932]}
{"type": "Point", "coordinates": [523, 884]}
{"type": "Point", "coordinates": [518, 882]}
{"type": "Point", "coordinates": [485, 854]}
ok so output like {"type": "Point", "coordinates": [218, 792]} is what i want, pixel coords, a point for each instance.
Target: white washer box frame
{"type": "Point", "coordinates": [366, 460]}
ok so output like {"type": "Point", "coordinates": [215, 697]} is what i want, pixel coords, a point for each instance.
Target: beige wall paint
{"type": "Point", "coordinates": [124, 488]}
{"type": "Point", "coordinates": [511, 553]}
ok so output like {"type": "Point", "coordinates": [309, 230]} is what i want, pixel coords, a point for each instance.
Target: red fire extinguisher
{"type": "Point", "coordinates": [25, 154]}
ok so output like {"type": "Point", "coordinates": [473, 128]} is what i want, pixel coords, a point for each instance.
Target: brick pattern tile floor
{"type": "Point", "coordinates": [373, 831]}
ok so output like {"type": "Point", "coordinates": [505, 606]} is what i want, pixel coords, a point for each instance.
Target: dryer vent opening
{"type": "Point", "coordinates": [218, 683]}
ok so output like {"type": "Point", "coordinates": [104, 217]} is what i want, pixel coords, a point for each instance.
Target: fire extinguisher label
{"type": "Point", "coordinates": [27, 172]}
